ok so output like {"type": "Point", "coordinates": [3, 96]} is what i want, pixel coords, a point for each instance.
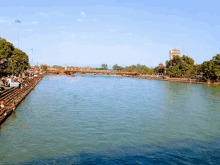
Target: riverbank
{"type": "Point", "coordinates": [12, 97]}
{"type": "Point", "coordinates": [157, 77]}
{"type": "Point", "coordinates": [182, 80]}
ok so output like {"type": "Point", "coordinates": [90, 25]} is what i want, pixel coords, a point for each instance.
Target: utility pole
{"type": "Point", "coordinates": [184, 44]}
{"type": "Point", "coordinates": [32, 55]}
{"type": "Point", "coordinates": [17, 21]}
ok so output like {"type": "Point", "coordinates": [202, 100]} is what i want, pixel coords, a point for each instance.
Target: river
{"type": "Point", "coordinates": [113, 120]}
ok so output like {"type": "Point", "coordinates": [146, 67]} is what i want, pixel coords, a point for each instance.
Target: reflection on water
{"type": "Point", "coordinates": [103, 119]}
{"type": "Point", "coordinates": [177, 152]}
{"type": "Point", "coordinates": [215, 90]}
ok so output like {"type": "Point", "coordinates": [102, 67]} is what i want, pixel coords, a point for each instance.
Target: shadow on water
{"type": "Point", "coordinates": [175, 152]}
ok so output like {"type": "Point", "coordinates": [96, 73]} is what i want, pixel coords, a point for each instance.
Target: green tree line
{"type": "Point", "coordinates": [184, 66]}
{"type": "Point", "coordinates": [180, 66]}
{"type": "Point", "coordinates": [103, 67]}
{"type": "Point", "coordinates": [58, 67]}
{"type": "Point", "coordinates": [12, 60]}
{"type": "Point", "coordinates": [136, 68]}
{"type": "Point", "coordinates": [44, 67]}
{"type": "Point", "coordinates": [211, 69]}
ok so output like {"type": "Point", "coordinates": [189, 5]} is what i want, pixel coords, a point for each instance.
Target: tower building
{"type": "Point", "coordinates": [173, 53]}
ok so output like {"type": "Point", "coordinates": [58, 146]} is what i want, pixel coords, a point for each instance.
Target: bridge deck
{"type": "Point", "coordinates": [93, 72]}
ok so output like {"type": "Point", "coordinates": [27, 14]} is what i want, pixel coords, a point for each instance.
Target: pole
{"type": "Point", "coordinates": [17, 21]}
{"type": "Point", "coordinates": [184, 44]}
{"type": "Point", "coordinates": [18, 39]}
{"type": "Point", "coordinates": [32, 54]}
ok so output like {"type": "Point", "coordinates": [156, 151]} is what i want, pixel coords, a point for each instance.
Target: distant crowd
{"type": "Point", "coordinates": [18, 79]}
{"type": "Point", "coordinates": [5, 81]}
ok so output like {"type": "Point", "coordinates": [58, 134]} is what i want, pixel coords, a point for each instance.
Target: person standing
{"type": "Point", "coordinates": [2, 106]}
{"type": "Point", "coordinates": [13, 107]}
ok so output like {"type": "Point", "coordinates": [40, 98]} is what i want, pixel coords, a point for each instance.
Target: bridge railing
{"type": "Point", "coordinates": [89, 71]}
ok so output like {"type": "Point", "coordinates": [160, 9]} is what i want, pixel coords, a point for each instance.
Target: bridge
{"type": "Point", "coordinates": [95, 72]}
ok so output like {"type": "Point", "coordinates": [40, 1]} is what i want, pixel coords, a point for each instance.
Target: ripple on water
{"type": "Point", "coordinates": [113, 120]}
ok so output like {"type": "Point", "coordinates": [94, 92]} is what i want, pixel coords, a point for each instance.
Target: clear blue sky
{"type": "Point", "coordinates": [92, 32]}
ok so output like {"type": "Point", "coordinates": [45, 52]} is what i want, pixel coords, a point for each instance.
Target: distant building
{"type": "Point", "coordinates": [162, 68]}
{"type": "Point", "coordinates": [51, 68]}
{"type": "Point", "coordinates": [81, 68]}
{"type": "Point", "coordinates": [173, 53]}
{"type": "Point", "coordinates": [73, 68]}
{"type": "Point", "coordinates": [87, 68]}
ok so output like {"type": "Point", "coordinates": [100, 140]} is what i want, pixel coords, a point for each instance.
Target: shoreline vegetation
{"type": "Point", "coordinates": [12, 60]}
{"type": "Point", "coordinates": [180, 69]}
{"type": "Point", "coordinates": [175, 79]}
{"type": "Point", "coordinates": [15, 68]}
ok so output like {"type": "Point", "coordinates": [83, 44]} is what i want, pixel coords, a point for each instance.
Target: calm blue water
{"type": "Point", "coordinates": [114, 120]}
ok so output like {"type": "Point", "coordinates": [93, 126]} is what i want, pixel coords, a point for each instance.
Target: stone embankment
{"type": "Point", "coordinates": [11, 98]}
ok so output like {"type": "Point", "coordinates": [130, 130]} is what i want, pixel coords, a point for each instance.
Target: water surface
{"type": "Point", "coordinates": [112, 120]}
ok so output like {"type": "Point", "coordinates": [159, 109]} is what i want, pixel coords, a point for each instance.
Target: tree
{"type": "Point", "coordinates": [211, 69]}
{"type": "Point", "coordinates": [131, 68]}
{"type": "Point", "coordinates": [58, 67]}
{"type": "Point", "coordinates": [179, 66]}
{"type": "Point", "coordinates": [44, 67]}
{"type": "Point", "coordinates": [6, 49]}
{"type": "Point", "coordinates": [216, 68]}
{"type": "Point", "coordinates": [105, 66]}
{"type": "Point", "coordinates": [12, 59]}
{"type": "Point", "coordinates": [155, 70]}
{"type": "Point", "coordinates": [137, 68]}
{"type": "Point", "coordinates": [217, 59]}
{"type": "Point", "coordinates": [207, 68]}
{"type": "Point", "coordinates": [116, 67]}
{"type": "Point", "coordinates": [20, 61]}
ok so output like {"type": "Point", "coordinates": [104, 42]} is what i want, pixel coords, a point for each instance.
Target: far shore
{"type": "Point", "coordinates": [160, 77]}
{"type": "Point", "coordinates": [174, 79]}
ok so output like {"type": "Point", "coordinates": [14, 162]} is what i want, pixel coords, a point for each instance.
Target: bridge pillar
{"type": "Point", "coordinates": [95, 74]}
{"type": "Point", "coordinates": [82, 74]}
{"type": "Point", "coordinates": [108, 75]}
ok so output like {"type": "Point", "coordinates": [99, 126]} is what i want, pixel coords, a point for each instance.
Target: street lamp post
{"type": "Point", "coordinates": [32, 55]}
{"type": "Point", "coordinates": [17, 21]}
